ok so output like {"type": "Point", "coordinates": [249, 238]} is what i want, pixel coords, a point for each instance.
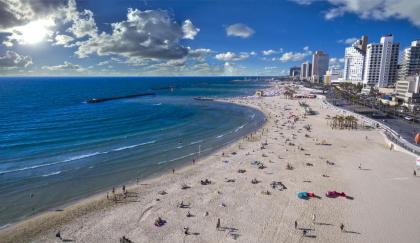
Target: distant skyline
{"type": "Point", "coordinates": [190, 37]}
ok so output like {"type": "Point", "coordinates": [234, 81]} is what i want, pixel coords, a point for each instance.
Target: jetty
{"type": "Point", "coordinates": [99, 100]}
{"type": "Point", "coordinates": [203, 99]}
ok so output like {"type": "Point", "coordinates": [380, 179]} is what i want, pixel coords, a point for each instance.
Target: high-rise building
{"type": "Point", "coordinates": [381, 63]}
{"type": "Point", "coordinates": [410, 65]}
{"type": "Point", "coordinates": [294, 72]}
{"type": "Point", "coordinates": [354, 60]}
{"type": "Point", "coordinates": [305, 70]}
{"type": "Point", "coordinates": [320, 63]}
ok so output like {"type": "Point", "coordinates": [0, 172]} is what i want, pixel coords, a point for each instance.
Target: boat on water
{"type": "Point", "coordinates": [203, 98]}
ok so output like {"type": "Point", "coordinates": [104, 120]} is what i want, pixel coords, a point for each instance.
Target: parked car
{"type": "Point", "coordinates": [409, 118]}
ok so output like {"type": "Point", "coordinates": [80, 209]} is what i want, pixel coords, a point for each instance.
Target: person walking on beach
{"type": "Point", "coordinates": [414, 173]}
{"type": "Point", "coordinates": [218, 224]}
{"type": "Point", "coordinates": [296, 225]}
{"type": "Point", "coordinates": [342, 227]}
{"type": "Point", "coordinates": [193, 161]}
{"type": "Point", "coordinates": [173, 171]}
{"type": "Point", "coordinates": [313, 218]}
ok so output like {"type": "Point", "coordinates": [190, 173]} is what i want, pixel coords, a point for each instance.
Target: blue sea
{"type": "Point", "coordinates": [55, 148]}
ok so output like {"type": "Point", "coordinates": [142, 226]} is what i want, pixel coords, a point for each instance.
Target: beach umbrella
{"type": "Point", "coordinates": [417, 138]}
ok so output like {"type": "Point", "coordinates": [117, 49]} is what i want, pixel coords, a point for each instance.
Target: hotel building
{"type": "Point", "coordinates": [354, 60]}
{"type": "Point", "coordinates": [381, 63]}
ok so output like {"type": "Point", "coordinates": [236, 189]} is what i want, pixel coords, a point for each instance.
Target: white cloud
{"type": "Point", "coordinates": [63, 40]}
{"type": "Point", "coordinates": [270, 52]}
{"type": "Point", "coordinates": [373, 9]}
{"type": "Point", "coordinates": [295, 56]}
{"type": "Point", "coordinates": [270, 68]}
{"type": "Point", "coordinates": [231, 56]}
{"type": "Point", "coordinates": [15, 13]}
{"type": "Point", "coordinates": [30, 33]}
{"type": "Point", "coordinates": [229, 68]}
{"type": "Point", "coordinates": [12, 60]}
{"type": "Point", "coordinates": [103, 63]}
{"type": "Point", "coordinates": [190, 31]}
{"type": "Point", "coordinates": [145, 34]}
{"type": "Point", "coordinates": [239, 30]}
{"type": "Point", "coordinates": [303, 2]}
{"type": "Point", "coordinates": [199, 54]}
{"type": "Point", "coordinates": [348, 41]}
{"type": "Point", "coordinates": [67, 66]}
{"type": "Point", "coordinates": [336, 63]}
{"type": "Point", "coordinates": [83, 24]}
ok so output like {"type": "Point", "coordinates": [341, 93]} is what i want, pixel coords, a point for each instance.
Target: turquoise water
{"type": "Point", "coordinates": [56, 148]}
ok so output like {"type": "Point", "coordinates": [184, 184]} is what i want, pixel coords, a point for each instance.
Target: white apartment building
{"type": "Point", "coordinates": [354, 60]}
{"type": "Point", "coordinates": [381, 63]}
{"type": "Point", "coordinates": [410, 65]}
{"type": "Point", "coordinates": [408, 90]}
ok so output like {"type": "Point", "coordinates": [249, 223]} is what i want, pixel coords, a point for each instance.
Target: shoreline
{"type": "Point", "coordinates": [258, 211]}
{"type": "Point", "coordinates": [98, 200]}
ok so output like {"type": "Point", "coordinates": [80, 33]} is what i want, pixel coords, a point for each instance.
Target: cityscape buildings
{"type": "Point", "coordinates": [320, 63]}
{"type": "Point", "coordinates": [381, 63]}
{"type": "Point", "coordinates": [354, 60]}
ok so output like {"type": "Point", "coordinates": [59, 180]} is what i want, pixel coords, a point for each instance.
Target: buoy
{"type": "Point", "coordinates": [417, 138]}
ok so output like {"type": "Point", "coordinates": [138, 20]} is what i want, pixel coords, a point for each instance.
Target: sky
{"type": "Point", "coordinates": [190, 37]}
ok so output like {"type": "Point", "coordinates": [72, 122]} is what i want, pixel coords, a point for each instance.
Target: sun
{"type": "Point", "coordinates": [33, 32]}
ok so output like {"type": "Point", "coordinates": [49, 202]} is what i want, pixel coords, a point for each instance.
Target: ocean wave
{"type": "Point", "coordinates": [78, 157]}
{"type": "Point", "coordinates": [83, 156]}
{"type": "Point", "coordinates": [240, 127]}
{"type": "Point", "coordinates": [220, 136]}
{"type": "Point", "coordinates": [158, 104]}
{"type": "Point", "coordinates": [253, 116]}
{"type": "Point", "coordinates": [133, 146]}
{"type": "Point", "coordinates": [195, 142]}
{"type": "Point", "coordinates": [4, 226]}
{"type": "Point", "coordinates": [177, 158]}
{"type": "Point", "coordinates": [51, 174]}
{"type": "Point", "coordinates": [28, 168]}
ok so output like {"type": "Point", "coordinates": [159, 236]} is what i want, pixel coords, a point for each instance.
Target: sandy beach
{"type": "Point", "coordinates": [380, 207]}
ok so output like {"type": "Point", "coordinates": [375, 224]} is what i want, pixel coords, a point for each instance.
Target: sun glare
{"type": "Point", "coordinates": [34, 32]}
